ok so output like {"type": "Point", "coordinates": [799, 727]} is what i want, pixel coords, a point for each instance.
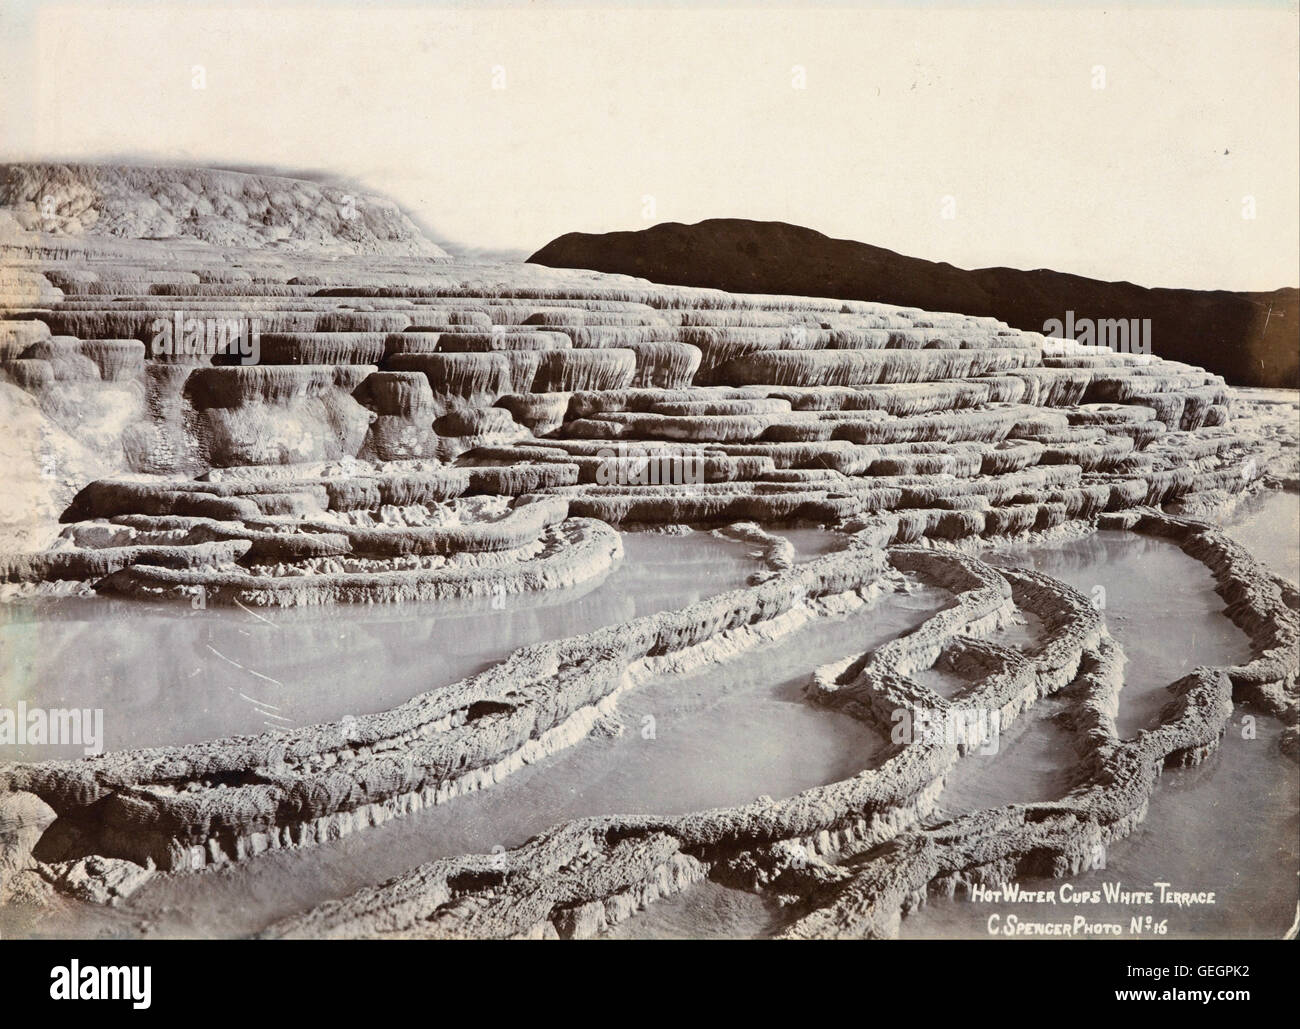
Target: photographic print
{"type": "Point", "coordinates": [540, 471]}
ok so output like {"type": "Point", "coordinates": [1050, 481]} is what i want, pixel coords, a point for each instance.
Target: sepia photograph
{"type": "Point", "coordinates": [668, 472]}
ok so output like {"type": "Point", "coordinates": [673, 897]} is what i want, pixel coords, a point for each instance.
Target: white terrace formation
{"type": "Point", "coordinates": [386, 428]}
{"type": "Point", "coordinates": [343, 464]}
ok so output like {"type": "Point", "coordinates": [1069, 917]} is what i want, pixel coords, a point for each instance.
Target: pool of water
{"type": "Point", "coordinates": [1030, 760]}
{"type": "Point", "coordinates": [944, 682]}
{"type": "Point", "coordinates": [1244, 801]}
{"type": "Point", "coordinates": [1158, 602]}
{"type": "Point", "coordinates": [1268, 525]}
{"type": "Point", "coordinates": [1229, 826]}
{"type": "Point", "coordinates": [811, 542]}
{"type": "Point", "coordinates": [1024, 633]}
{"type": "Point", "coordinates": [722, 736]}
{"type": "Point", "coordinates": [167, 674]}
{"type": "Point", "coordinates": [706, 911]}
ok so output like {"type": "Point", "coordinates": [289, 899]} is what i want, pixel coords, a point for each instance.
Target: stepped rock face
{"type": "Point", "coordinates": [220, 208]}
{"type": "Point", "coordinates": [1252, 339]}
{"type": "Point", "coordinates": [267, 426]}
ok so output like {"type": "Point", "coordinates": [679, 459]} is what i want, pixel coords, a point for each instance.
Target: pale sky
{"type": "Point", "coordinates": [998, 108]}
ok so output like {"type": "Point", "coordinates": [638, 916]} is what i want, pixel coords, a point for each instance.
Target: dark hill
{"type": "Point", "coordinates": [1249, 338]}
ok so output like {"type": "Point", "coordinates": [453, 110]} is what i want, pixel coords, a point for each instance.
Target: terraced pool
{"type": "Point", "coordinates": [720, 736]}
